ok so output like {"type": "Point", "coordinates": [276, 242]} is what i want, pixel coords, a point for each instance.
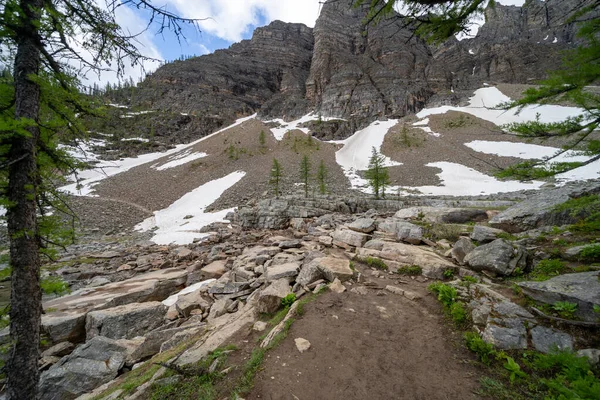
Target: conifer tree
{"type": "Point", "coordinates": [305, 173]}
{"type": "Point", "coordinates": [276, 175]}
{"type": "Point", "coordinates": [377, 174]}
{"type": "Point", "coordinates": [262, 138]}
{"type": "Point", "coordinates": [322, 177]}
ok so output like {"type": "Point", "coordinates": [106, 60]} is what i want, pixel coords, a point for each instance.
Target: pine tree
{"type": "Point", "coordinates": [262, 138]}
{"type": "Point", "coordinates": [377, 174]}
{"type": "Point", "coordinates": [322, 177]}
{"type": "Point", "coordinates": [276, 175]}
{"type": "Point", "coordinates": [305, 173]}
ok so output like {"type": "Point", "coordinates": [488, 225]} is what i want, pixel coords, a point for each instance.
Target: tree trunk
{"type": "Point", "coordinates": [26, 297]}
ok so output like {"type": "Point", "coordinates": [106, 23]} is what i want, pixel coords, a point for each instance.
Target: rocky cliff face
{"type": "Point", "coordinates": [267, 72]}
{"type": "Point", "coordinates": [342, 70]}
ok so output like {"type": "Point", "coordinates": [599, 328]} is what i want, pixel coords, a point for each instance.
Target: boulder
{"type": "Point", "coordinates": [282, 271]}
{"type": "Point", "coordinates": [593, 355]}
{"type": "Point", "coordinates": [125, 322]}
{"type": "Point", "coordinates": [333, 268]}
{"type": "Point", "coordinates": [290, 244]}
{"type": "Point", "coordinates": [191, 301]}
{"type": "Point", "coordinates": [228, 287]}
{"type": "Point", "coordinates": [219, 308]}
{"type": "Point", "coordinates": [59, 350]}
{"type": "Point", "coordinates": [310, 273]}
{"type": "Point", "coordinates": [443, 215]}
{"type": "Point", "coordinates": [364, 225]}
{"type": "Point", "coordinates": [215, 269]}
{"type": "Point", "coordinates": [546, 340]}
{"type": "Point", "coordinates": [506, 334]}
{"type": "Point", "coordinates": [581, 288]}
{"type": "Point", "coordinates": [269, 299]}
{"type": "Point", "coordinates": [403, 230]}
{"type": "Point", "coordinates": [351, 238]}
{"type": "Point", "coordinates": [498, 257]}
{"type": "Point", "coordinates": [461, 248]}
{"type": "Point", "coordinates": [485, 234]}
{"type": "Point", "coordinates": [96, 362]}
{"type": "Point", "coordinates": [336, 286]}
{"type": "Point", "coordinates": [539, 209]}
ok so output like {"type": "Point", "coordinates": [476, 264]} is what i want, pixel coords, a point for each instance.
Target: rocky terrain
{"type": "Point", "coordinates": [144, 313]}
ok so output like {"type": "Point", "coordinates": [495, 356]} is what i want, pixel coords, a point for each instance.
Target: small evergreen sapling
{"type": "Point", "coordinates": [305, 173]}
{"type": "Point", "coordinates": [275, 176]}
{"type": "Point", "coordinates": [377, 174]}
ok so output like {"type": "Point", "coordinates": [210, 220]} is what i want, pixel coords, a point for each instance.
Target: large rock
{"type": "Point", "coordinates": [269, 299]}
{"type": "Point", "coordinates": [403, 230]}
{"type": "Point", "coordinates": [506, 334]}
{"type": "Point", "coordinates": [89, 366]}
{"type": "Point", "coordinates": [364, 225]}
{"type": "Point", "coordinates": [461, 248]}
{"type": "Point", "coordinates": [127, 321]}
{"type": "Point", "coordinates": [215, 269]}
{"type": "Point", "coordinates": [282, 271]}
{"type": "Point", "coordinates": [65, 316]}
{"type": "Point", "coordinates": [539, 209]}
{"type": "Point", "coordinates": [433, 265]}
{"type": "Point", "coordinates": [485, 234]}
{"type": "Point", "coordinates": [443, 215]}
{"type": "Point", "coordinates": [581, 288]}
{"type": "Point", "coordinates": [333, 268]}
{"type": "Point", "coordinates": [547, 340]}
{"type": "Point", "coordinates": [498, 257]}
{"type": "Point", "coordinates": [351, 238]}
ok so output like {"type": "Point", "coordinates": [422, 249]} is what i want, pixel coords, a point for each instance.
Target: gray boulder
{"type": "Point", "coordinates": [485, 234]}
{"type": "Point", "coordinates": [403, 230]}
{"type": "Point", "coordinates": [125, 322]}
{"type": "Point", "coordinates": [539, 209]}
{"type": "Point", "coordinates": [96, 362]}
{"type": "Point", "coordinates": [461, 248]}
{"type": "Point", "coordinates": [269, 299]}
{"type": "Point", "coordinates": [364, 225]}
{"type": "Point", "coordinates": [498, 257]}
{"type": "Point", "coordinates": [282, 271]}
{"type": "Point", "coordinates": [351, 238]}
{"type": "Point", "coordinates": [580, 288]}
{"type": "Point", "coordinates": [546, 340]}
{"type": "Point", "coordinates": [506, 334]}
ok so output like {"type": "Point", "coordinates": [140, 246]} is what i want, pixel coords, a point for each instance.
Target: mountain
{"type": "Point", "coordinates": [342, 69]}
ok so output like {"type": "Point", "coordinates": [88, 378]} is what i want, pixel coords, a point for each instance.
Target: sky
{"type": "Point", "coordinates": [222, 22]}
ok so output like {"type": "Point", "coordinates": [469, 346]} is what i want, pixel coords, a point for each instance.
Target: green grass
{"type": "Point", "coordinates": [565, 309]}
{"type": "Point", "coordinates": [288, 300]}
{"type": "Point", "coordinates": [54, 285]}
{"type": "Point", "coordinates": [586, 210]}
{"type": "Point", "coordinates": [590, 253]}
{"type": "Point", "coordinates": [446, 295]}
{"type": "Point", "coordinates": [410, 270]}
{"type": "Point", "coordinates": [448, 273]}
{"type": "Point", "coordinates": [5, 273]}
{"type": "Point", "coordinates": [546, 269]}
{"type": "Point", "coordinates": [373, 262]}
{"type": "Point", "coordinates": [484, 351]}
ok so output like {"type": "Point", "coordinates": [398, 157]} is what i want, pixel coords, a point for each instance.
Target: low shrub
{"type": "Point", "coordinates": [476, 344]}
{"type": "Point", "coordinates": [54, 285]}
{"type": "Point", "coordinates": [288, 300]}
{"type": "Point", "coordinates": [410, 270]}
{"type": "Point", "coordinates": [546, 269]}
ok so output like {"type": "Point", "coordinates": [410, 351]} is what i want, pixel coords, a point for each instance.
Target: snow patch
{"type": "Point", "coordinates": [104, 169]}
{"type": "Point", "coordinates": [525, 151]}
{"type": "Point", "coordinates": [355, 154]}
{"type": "Point", "coordinates": [471, 51]}
{"type": "Point", "coordinates": [458, 180]}
{"type": "Point", "coordinates": [117, 105]}
{"type": "Point", "coordinates": [181, 158]}
{"type": "Point", "coordinates": [284, 127]}
{"type": "Point", "coordinates": [181, 221]}
{"type": "Point", "coordinates": [135, 139]}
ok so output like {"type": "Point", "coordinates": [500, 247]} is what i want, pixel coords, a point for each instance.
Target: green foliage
{"type": "Point", "coordinates": [377, 174]}
{"type": "Point", "coordinates": [546, 269]}
{"type": "Point", "coordinates": [54, 285]}
{"type": "Point", "coordinates": [565, 309]}
{"type": "Point", "coordinates": [288, 300]}
{"type": "Point", "coordinates": [458, 313]}
{"type": "Point", "coordinates": [590, 253]}
{"type": "Point", "coordinates": [5, 273]}
{"type": "Point", "coordinates": [448, 273]}
{"type": "Point", "coordinates": [322, 177]}
{"type": "Point", "coordinates": [410, 270]}
{"type": "Point", "coordinates": [462, 121]}
{"type": "Point", "coordinates": [470, 279]}
{"type": "Point", "coordinates": [447, 295]}
{"type": "Point", "coordinates": [262, 139]}
{"type": "Point", "coordinates": [374, 262]}
{"type": "Point", "coordinates": [596, 308]}
{"type": "Point", "coordinates": [276, 175]}
{"type": "Point", "coordinates": [514, 369]}
{"type": "Point", "coordinates": [305, 173]}
{"type": "Point", "coordinates": [476, 344]}
{"type": "Point", "coordinates": [585, 209]}
{"type": "Point", "coordinates": [528, 170]}
{"type": "Point", "coordinates": [406, 139]}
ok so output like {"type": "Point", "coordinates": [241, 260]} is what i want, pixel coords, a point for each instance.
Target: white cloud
{"type": "Point", "coordinates": [231, 19]}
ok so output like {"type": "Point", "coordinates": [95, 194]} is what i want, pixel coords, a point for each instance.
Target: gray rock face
{"type": "Point", "coordinates": [365, 75]}
{"type": "Point", "coordinates": [461, 248]}
{"type": "Point", "coordinates": [125, 322]}
{"type": "Point", "coordinates": [404, 231]}
{"type": "Point", "coordinates": [282, 271]}
{"type": "Point", "coordinates": [269, 299]}
{"type": "Point", "coordinates": [351, 238]}
{"type": "Point", "coordinates": [546, 340]}
{"type": "Point", "coordinates": [506, 334]}
{"type": "Point", "coordinates": [581, 288]}
{"type": "Point", "coordinates": [364, 225]}
{"type": "Point", "coordinates": [537, 210]}
{"type": "Point", "coordinates": [89, 366]}
{"type": "Point", "coordinates": [498, 257]}
{"type": "Point", "coordinates": [485, 234]}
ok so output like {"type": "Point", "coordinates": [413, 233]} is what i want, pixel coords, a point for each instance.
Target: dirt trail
{"type": "Point", "coordinates": [373, 346]}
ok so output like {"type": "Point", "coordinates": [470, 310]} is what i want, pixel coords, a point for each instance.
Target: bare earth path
{"type": "Point", "coordinates": [373, 346]}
